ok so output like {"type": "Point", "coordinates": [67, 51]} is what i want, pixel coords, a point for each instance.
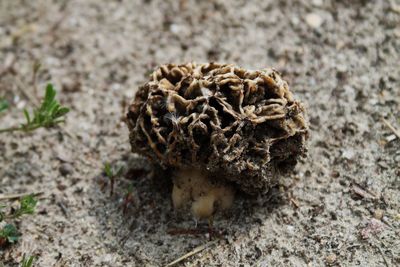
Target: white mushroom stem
{"type": "Point", "coordinates": [193, 188]}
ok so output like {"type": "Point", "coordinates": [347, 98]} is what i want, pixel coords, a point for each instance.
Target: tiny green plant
{"type": "Point", "coordinates": [49, 114]}
{"type": "Point", "coordinates": [3, 104]}
{"type": "Point", "coordinates": [9, 233]}
{"type": "Point", "coordinates": [28, 204]}
{"type": "Point", "coordinates": [128, 199]}
{"type": "Point", "coordinates": [112, 173]}
{"type": "Point", "coordinates": [27, 261]}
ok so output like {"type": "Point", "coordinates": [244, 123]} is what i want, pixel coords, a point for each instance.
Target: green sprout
{"type": "Point", "coordinates": [49, 114]}
{"type": "Point", "coordinates": [28, 204]}
{"type": "Point", "coordinates": [3, 104]}
{"type": "Point", "coordinates": [128, 199]}
{"type": "Point", "coordinates": [2, 214]}
{"type": "Point", "coordinates": [27, 261]}
{"type": "Point", "coordinates": [9, 233]}
{"type": "Point", "coordinates": [112, 173]}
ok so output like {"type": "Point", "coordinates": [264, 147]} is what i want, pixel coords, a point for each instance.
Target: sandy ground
{"type": "Point", "coordinates": [341, 58]}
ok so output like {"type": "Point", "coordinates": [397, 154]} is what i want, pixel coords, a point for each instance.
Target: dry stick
{"type": "Point", "coordinates": [390, 126]}
{"type": "Point", "coordinates": [15, 196]}
{"type": "Point", "coordinates": [193, 252]}
{"type": "Point", "coordinates": [383, 255]}
{"type": "Point", "coordinates": [36, 67]}
{"type": "Point", "coordinates": [294, 202]}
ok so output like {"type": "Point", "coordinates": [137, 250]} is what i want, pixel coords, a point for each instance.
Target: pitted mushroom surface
{"type": "Point", "coordinates": [234, 126]}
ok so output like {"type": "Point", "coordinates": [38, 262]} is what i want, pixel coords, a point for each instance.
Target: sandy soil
{"type": "Point", "coordinates": [341, 58]}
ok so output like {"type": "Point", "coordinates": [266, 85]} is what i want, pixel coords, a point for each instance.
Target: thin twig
{"type": "Point", "coordinates": [10, 130]}
{"type": "Point", "coordinates": [63, 209]}
{"type": "Point", "coordinates": [193, 252]}
{"type": "Point", "coordinates": [390, 126]}
{"type": "Point", "coordinates": [383, 255]}
{"type": "Point", "coordinates": [35, 70]}
{"type": "Point", "coordinates": [363, 192]}
{"type": "Point", "coordinates": [195, 232]}
{"type": "Point", "coordinates": [16, 196]}
{"type": "Point", "coordinates": [294, 202]}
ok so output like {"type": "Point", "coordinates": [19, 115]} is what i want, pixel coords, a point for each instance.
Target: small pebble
{"type": "Point", "coordinates": [330, 259]}
{"type": "Point", "coordinates": [348, 154]}
{"type": "Point", "coordinates": [174, 28]}
{"type": "Point", "coordinates": [70, 85]}
{"type": "Point", "coordinates": [341, 68]}
{"type": "Point", "coordinates": [66, 169]}
{"type": "Point", "coordinates": [314, 20]}
{"type": "Point", "coordinates": [378, 214]}
{"type": "Point", "coordinates": [391, 137]}
{"type": "Point", "coordinates": [317, 2]}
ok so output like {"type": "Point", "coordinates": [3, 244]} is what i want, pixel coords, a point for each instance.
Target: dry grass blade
{"type": "Point", "coordinates": [193, 252]}
{"type": "Point", "coordinates": [17, 196]}
{"type": "Point", "coordinates": [383, 255]}
{"type": "Point", "coordinates": [363, 192]}
{"type": "Point", "coordinates": [390, 126]}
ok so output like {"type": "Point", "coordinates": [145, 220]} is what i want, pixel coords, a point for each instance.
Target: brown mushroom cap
{"type": "Point", "coordinates": [240, 125]}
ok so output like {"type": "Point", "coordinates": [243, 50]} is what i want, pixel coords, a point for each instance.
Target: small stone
{"type": "Point", "coordinates": [174, 28]}
{"type": "Point", "coordinates": [70, 85]}
{"type": "Point", "coordinates": [330, 259]}
{"type": "Point", "coordinates": [314, 20]}
{"type": "Point", "coordinates": [341, 68]}
{"type": "Point", "coordinates": [373, 227]}
{"type": "Point", "coordinates": [294, 20]}
{"type": "Point", "coordinates": [391, 137]}
{"type": "Point", "coordinates": [66, 169]}
{"type": "Point", "coordinates": [378, 214]}
{"type": "Point", "coordinates": [348, 154]}
{"type": "Point", "coordinates": [21, 104]}
{"type": "Point", "coordinates": [317, 2]}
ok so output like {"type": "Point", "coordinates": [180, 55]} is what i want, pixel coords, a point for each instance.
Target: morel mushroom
{"type": "Point", "coordinates": [217, 127]}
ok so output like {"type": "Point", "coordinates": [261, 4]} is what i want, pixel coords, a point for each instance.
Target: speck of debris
{"type": "Point", "coordinates": [378, 214]}
{"type": "Point", "coordinates": [330, 259]}
{"type": "Point", "coordinates": [66, 169]}
{"type": "Point", "coordinates": [314, 20]}
{"type": "Point", "coordinates": [373, 227]}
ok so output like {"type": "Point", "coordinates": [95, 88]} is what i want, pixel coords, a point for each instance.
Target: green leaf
{"type": "Point", "coordinates": [108, 170]}
{"type": "Point", "coordinates": [28, 204]}
{"type": "Point", "coordinates": [61, 112]}
{"type": "Point", "coordinates": [27, 261]}
{"type": "Point", "coordinates": [27, 117]}
{"type": "Point", "coordinates": [49, 114]}
{"type": "Point", "coordinates": [10, 233]}
{"type": "Point", "coordinates": [3, 104]}
{"type": "Point", "coordinates": [50, 94]}
{"type": "Point", "coordinates": [2, 214]}
{"type": "Point", "coordinates": [130, 189]}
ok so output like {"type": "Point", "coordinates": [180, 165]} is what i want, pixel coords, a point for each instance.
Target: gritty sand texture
{"type": "Point", "coordinates": [341, 58]}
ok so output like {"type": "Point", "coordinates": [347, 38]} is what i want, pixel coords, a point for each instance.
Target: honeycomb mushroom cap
{"type": "Point", "coordinates": [240, 125]}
